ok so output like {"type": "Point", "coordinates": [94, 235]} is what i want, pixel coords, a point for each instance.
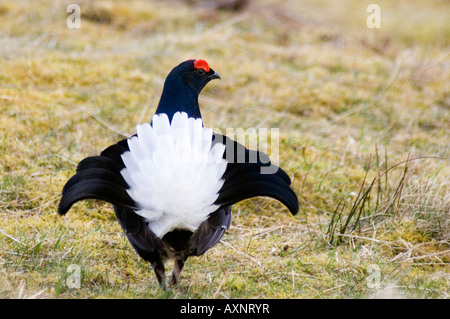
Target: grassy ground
{"type": "Point", "coordinates": [364, 118]}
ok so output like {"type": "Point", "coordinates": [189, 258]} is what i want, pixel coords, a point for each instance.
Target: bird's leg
{"type": "Point", "coordinates": [160, 273]}
{"type": "Point", "coordinates": [176, 271]}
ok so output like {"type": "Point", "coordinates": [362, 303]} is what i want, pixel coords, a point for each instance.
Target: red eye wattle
{"type": "Point", "coordinates": [201, 64]}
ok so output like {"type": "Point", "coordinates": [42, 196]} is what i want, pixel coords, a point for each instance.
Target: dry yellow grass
{"type": "Point", "coordinates": [340, 93]}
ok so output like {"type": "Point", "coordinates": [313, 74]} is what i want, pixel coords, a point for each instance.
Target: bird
{"type": "Point", "coordinates": [173, 183]}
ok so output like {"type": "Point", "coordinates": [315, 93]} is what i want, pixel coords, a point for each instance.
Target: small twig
{"type": "Point", "coordinates": [37, 294]}
{"type": "Point", "coordinates": [329, 289]}
{"type": "Point", "coordinates": [11, 237]}
{"type": "Point", "coordinates": [81, 108]}
{"type": "Point", "coordinates": [242, 253]}
{"type": "Point", "coordinates": [430, 255]}
{"type": "Point", "coordinates": [271, 229]}
{"type": "Point", "coordinates": [220, 287]}
{"type": "Point", "coordinates": [408, 252]}
{"type": "Point", "coordinates": [21, 289]}
{"type": "Point", "coordinates": [360, 237]}
{"type": "Point", "coordinates": [144, 112]}
{"type": "Point", "coordinates": [223, 25]}
{"type": "Point", "coordinates": [108, 126]}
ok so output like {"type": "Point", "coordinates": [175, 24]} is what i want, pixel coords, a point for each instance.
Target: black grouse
{"type": "Point", "coordinates": [173, 183]}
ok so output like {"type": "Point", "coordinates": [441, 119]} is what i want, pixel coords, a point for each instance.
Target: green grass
{"type": "Point", "coordinates": [364, 119]}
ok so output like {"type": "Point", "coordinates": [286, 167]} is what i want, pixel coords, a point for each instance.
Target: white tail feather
{"type": "Point", "coordinates": [173, 173]}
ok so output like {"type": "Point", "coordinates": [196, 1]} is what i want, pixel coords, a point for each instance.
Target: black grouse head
{"type": "Point", "coordinates": [182, 87]}
{"type": "Point", "coordinates": [194, 74]}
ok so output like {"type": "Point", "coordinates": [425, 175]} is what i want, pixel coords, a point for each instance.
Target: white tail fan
{"type": "Point", "coordinates": [173, 173]}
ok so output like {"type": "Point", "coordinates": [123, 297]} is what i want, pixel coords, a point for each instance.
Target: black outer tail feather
{"type": "Point", "coordinates": [251, 185]}
{"type": "Point", "coordinates": [244, 179]}
{"type": "Point", "coordinates": [94, 189]}
{"type": "Point", "coordinates": [98, 177]}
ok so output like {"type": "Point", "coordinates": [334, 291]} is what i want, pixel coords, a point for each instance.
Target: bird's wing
{"type": "Point", "coordinates": [142, 239]}
{"type": "Point", "coordinates": [211, 231]}
{"type": "Point", "coordinates": [249, 174]}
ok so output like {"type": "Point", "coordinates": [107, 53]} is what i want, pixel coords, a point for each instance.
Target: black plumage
{"type": "Point", "coordinates": [99, 177]}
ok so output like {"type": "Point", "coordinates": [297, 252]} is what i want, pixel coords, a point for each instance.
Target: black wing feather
{"type": "Point", "coordinates": [211, 231]}
{"type": "Point", "coordinates": [243, 177]}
